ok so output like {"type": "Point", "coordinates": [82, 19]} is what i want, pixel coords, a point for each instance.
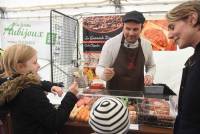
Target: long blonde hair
{"type": "Point", "coordinates": [184, 10]}
{"type": "Point", "coordinates": [15, 54]}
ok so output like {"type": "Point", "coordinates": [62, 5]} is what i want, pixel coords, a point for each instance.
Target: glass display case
{"type": "Point", "coordinates": [143, 108]}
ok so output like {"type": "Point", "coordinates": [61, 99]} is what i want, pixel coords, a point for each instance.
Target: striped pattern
{"type": "Point", "coordinates": [109, 116]}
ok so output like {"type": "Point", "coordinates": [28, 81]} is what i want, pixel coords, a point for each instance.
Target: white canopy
{"type": "Point", "coordinates": [39, 8]}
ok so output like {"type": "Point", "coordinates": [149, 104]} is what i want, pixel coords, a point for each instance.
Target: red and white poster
{"type": "Point", "coordinates": [156, 32]}
{"type": "Point", "coordinates": [98, 29]}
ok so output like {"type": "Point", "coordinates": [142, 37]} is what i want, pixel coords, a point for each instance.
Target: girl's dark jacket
{"type": "Point", "coordinates": [31, 111]}
{"type": "Point", "coordinates": [188, 119]}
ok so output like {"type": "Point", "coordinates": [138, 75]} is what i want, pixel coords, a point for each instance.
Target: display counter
{"type": "Point", "coordinates": [73, 127]}
{"type": "Point", "coordinates": [147, 114]}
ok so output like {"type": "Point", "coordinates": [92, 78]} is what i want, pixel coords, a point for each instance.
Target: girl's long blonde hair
{"type": "Point", "coordinates": [15, 54]}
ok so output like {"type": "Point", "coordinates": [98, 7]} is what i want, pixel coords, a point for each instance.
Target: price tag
{"type": "Point", "coordinates": [134, 127]}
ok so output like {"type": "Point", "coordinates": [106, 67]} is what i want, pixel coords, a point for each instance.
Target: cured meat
{"type": "Point", "coordinates": [155, 107]}
{"type": "Point", "coordinates": [157, 37]}
{"type": "Point", "coordinates": [161, 23]}
{"type": "Point", "coordinates": [103, 24]}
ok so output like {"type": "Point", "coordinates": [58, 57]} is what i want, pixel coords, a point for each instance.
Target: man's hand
{"type": "Point", "coordinates": [148, 80]}
{"type": "Point", "coordinates": [109, 73]}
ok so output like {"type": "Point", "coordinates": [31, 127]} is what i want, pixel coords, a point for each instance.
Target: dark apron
{"type": "Point", "coordinates": [129, 69]}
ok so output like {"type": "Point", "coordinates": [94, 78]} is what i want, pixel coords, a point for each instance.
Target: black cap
{"type": "Point", "coordinates": [133, 16]}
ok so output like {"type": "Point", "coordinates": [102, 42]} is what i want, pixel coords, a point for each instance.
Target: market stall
{"type": "Point", "coordinates": [148, 113]}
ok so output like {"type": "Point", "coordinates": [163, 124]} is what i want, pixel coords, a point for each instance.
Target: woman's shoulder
{"type": "Point", "coordinates": [32, 94]}
{"type": "Point", "coordinates": [33, 89]}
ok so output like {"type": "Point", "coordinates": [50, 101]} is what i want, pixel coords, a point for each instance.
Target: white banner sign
{"type": "Point", "coordinates": [34, 33]}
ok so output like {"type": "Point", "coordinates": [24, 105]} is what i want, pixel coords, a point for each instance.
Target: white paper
{"type": "Point", "coordinates": [55, 99]}
{"type": "Point", "coordinates": [134, 127]}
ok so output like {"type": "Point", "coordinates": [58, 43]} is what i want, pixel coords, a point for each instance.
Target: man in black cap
{"type": "Point", "coordinates": [124, 56]}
